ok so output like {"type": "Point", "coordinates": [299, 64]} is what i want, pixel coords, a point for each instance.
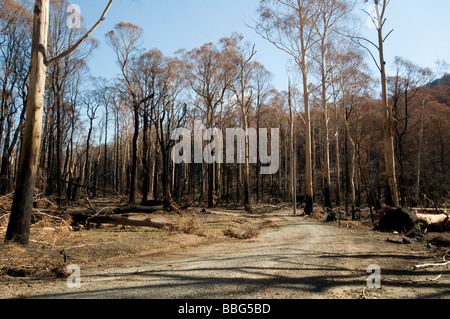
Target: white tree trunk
{"type": "Point", "coordinates": [19, 225]}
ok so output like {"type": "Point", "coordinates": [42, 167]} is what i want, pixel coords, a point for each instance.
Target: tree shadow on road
{"type": "Point", "coordinates": [288, 281]}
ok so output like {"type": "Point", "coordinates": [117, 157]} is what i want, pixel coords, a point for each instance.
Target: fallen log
{"type": "Point", "coordinates": [430, 210]}
{"type": "Point", "coordinates": [431, 219]}
{"type": "Point", "coordinates": [126, 222]}
{"type": "Point", "coordinates": [111, 211]}
{"type": "Point", "coordinates": [106, 215]}
{"type": "Point", "coordinates": [137, 209]}
{"type": "Point", "coordinates": [150, 203]}
{"type": "Point", "coordinates": [434, 223]}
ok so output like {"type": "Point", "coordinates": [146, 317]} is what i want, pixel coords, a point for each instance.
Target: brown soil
{"type": "Point", "coordinates": [52, 247]}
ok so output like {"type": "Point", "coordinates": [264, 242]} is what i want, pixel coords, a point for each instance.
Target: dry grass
{"type": "Point", "coordinates": [241, 233]}
{"type": "Point", "coordinates": [45, 228]}
{"type": "Point", "coordinates": [41, 258]}
{"type": "Point", "coordinates": [37, 260]}
{"type": "Point", "coordinates": [4, 219]}
{"type": "Point", "coordinates": [189, 224]}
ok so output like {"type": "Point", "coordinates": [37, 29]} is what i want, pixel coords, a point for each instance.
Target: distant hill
{"type": "Point", "coordinates": [444, 81]}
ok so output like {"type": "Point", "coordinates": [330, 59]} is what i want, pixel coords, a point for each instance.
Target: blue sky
{"type": "Point", "coordinates": [421, 29]}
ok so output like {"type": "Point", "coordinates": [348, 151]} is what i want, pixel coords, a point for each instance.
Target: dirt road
{"type": "Point", "coordinates": [302, 259]}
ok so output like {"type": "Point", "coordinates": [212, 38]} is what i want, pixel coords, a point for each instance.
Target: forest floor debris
{"type": "Point", "coordinates": [55, 242]}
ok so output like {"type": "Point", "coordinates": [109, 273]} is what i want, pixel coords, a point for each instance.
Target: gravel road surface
{"type": "Point", "coordinates": [301, 260]}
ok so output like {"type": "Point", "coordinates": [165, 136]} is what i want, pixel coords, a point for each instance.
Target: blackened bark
{"type": "Point", "coordinates": [134, 163]}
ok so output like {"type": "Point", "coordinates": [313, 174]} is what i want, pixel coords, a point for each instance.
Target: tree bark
{"type": "Point", "coordinates": [309, 191]}
{"type": "Point", "coordinates": [134, 163]}
{"type": "Point", "coordinates": [145, 156]}
{"type": "Point", "coordinates": [389, 155]}
{"type": "Point", "coordinates": [20, 220]}
{"type": "Point", "coordinates": [419, 155]}
{"type": "Point", "coordinates": [105, 163]}
{"type": "Point", "coordinates": [338, 156]}
{"type": "Point", "coordinates": [327, 140]}
{"type": "Point", "coordinates": [87, 167]}
{"type": "Point", "coordinates": [293, 164]}
{"type": "Point", "coordinates": [246, 165]}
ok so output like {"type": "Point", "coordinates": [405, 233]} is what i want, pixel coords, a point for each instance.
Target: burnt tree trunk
{"type": "Point", "coordinates": [134, 163]}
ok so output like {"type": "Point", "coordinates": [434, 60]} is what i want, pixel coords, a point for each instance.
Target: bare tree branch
{"type": "Point", "coordinates": [81, 40]}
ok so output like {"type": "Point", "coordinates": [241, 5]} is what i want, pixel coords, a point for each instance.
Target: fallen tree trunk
{"type": "Point", "coordinates": [86, 217]}
{"type": "Point", "coordinates": [137, 209]}
{"type": "Point", "coordinates": [434, 223]}
{"type": "Point", "coordinates": [113, 211]}
{"type": "Point", "coordinates": [430, 210]}
{"type": "Point", "coordinates": [106, 215]}
{"type": "Point", "coordinates": [126, 222]}
{"type": "Point", "coordinates": [431, 219]}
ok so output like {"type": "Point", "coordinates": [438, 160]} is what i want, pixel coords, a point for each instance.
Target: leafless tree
{"type": "Point", "coordinates": [20, 220]}
{"type": "Point", "coordinates": [290, 26]}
